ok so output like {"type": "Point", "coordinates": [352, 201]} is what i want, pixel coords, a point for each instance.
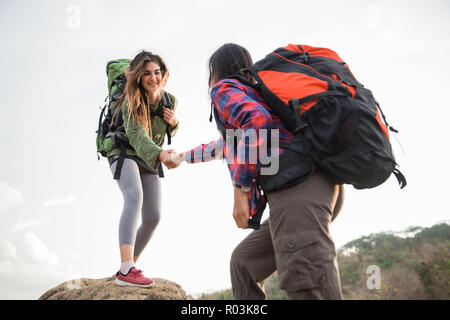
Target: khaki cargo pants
{"type": "Point", "coordinates": [295, 241]}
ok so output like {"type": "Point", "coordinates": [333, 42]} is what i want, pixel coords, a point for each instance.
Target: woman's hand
{"type": "Point", "coordinates": [169, 117]}
{"type": "Point", "coordinates": [168, 157]}
{"type": "Point", "coordinates": [241, 210]}
{"type": "Point", "coordinates": [176, 158]}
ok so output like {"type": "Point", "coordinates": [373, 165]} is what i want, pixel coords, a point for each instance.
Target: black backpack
{"type": "Point", "coordinates": [337, 124]}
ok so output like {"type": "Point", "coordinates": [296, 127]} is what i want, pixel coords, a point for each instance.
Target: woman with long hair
{"type": "Point", "coordinates": [145, 122]}
{"type": "Point", "coordinates": [295, 239]}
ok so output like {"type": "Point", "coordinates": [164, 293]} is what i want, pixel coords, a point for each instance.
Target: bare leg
{"type": "Point", "coordinates": [126, 252]}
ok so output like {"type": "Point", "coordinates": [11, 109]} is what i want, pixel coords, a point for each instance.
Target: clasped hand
{"type": "Point", "coordinates": [170, 158]}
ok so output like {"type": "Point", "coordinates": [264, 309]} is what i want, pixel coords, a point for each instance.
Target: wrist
{"type": "Point", "coordinates": [163, 156]}
{"type": "Point", "coordinates": [243, 189]}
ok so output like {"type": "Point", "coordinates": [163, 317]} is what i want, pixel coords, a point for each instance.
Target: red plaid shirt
{"type": "Point", "coordinates": [241, 107]}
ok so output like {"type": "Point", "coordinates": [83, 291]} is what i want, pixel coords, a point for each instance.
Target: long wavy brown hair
{"type": "Point", "coordinates": [137, 96]}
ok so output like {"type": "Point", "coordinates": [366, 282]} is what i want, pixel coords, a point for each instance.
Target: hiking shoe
{"type": "Point", "coordinates": [133, 278]}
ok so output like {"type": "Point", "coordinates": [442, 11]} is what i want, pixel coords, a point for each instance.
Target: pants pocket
{"type": "Point", "coordinates": [300, 262]}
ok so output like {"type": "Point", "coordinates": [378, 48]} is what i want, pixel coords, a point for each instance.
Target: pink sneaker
{"type": "Point", "coordinates": [133, 278]}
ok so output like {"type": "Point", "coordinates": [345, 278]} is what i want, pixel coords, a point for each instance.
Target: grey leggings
{"type": "Point", "coordinates": [141, 192]}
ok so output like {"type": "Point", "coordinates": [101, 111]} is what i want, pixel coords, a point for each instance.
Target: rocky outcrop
{"type": "Point", "coordinates": [106, 289]}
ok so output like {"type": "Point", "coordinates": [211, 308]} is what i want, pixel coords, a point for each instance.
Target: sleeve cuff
{"type": "Point", "coordinates": [244, 180]}
{"type": "Point", "coordinates": [173, 130]}
{"type": "Point", "coordinates": [156, 162]}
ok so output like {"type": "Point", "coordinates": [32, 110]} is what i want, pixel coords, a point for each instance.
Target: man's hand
{"type": "Point", "coordinates": [177, 158]}
{"type": "Point", "coordinates": [241, 210]}
{"type": "Point", "coordinates": [169, 117]}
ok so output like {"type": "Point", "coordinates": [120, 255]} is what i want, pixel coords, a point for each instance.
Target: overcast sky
{"type": "Point", "coordinates": [60, 207]}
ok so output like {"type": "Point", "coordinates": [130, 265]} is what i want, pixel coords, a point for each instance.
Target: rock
{"type": "Point", "coordinates": [106, 289]}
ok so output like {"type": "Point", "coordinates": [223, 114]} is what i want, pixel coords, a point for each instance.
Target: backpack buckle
{"type": "Point", "coordinates": [305, 56]}
{"type": "Point", "coordinates": [300, 128]}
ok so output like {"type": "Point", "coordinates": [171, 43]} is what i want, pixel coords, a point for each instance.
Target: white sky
{"type": "Point", "coordinates": [59, 206]}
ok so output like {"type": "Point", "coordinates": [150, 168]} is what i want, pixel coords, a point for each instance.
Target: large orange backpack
{"type": "Point", "coordinates": [337, 123]}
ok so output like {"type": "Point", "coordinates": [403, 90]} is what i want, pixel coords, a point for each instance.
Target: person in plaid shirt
{"type": "Point", "coordinates": [241, 107]}
{"type": "Point", "coordinates": [295, 239]}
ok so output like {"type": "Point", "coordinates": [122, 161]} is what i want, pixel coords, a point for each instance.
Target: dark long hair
{"type": "Point", "coordinates": [228, 60]}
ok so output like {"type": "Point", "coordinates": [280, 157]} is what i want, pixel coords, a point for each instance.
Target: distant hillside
{"type": "Point", "coordinates": [414, 264]}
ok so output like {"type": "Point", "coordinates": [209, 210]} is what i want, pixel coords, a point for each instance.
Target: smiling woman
{"type": "Point", "coordinates": [151, 80]}
{"type": "Point", "coordinates": [146, 76]}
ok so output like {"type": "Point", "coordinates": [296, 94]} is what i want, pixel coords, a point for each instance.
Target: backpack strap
{"type": "Point", "coordinates": [255, 221]}
{"type": "Point", "coordinates": [167, 104]}
{"type": "Point", "coordinates": [100, 125]}
{"type": "Point", "coordinates": [159, 112]}
{"type": "Point", "coordinates": [384, 118]}
{"type": "Point", "coordinates": [120, 161]}
{"type": "Point", "coordinates": [242, 77]}
{"type": "Point", "coordinates": [400, 178]}
{"type": "Point", "coordinates": [220, 126]}
{"type": "Point", "coordinates": [295, 105]}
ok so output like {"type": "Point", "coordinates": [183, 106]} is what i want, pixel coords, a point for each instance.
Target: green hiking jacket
{"type": "Point", "coordinates": [138, 137]}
